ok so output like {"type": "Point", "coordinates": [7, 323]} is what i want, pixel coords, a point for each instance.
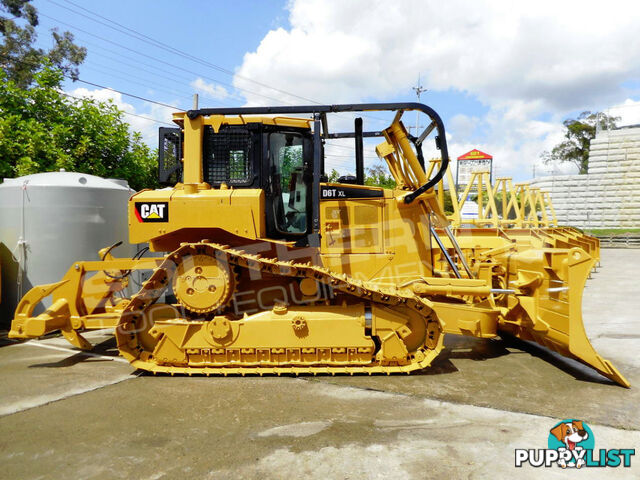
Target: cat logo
{"type": "Point", "coordinates": [152, 211]}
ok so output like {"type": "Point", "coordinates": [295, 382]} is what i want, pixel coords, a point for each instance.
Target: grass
{"type": "Point", "coordinates": [613, 231]}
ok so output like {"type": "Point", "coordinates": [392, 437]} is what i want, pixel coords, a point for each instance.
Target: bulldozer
{"type": "Point", "coordinates": [263, 266]}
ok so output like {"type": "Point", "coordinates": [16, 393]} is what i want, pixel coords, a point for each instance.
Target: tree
{"type": "Point", "coordinates": [579, 133]}
{"type": "Point", "coordinates": [290, 161]}
{"type": "Point", "coordinates": [448, 203]}
{"type": "Point", "coordinates": [18, 56]}
{"type": "Point", "coordinates": [333, 176]}
{"type": "Point", "coordinates": [42, 129]}
{"type": "Point", "coordinates": [378, 175]}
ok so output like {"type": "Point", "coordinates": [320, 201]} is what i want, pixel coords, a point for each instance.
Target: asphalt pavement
{"type": "Point", "coordinates": [71, 414]}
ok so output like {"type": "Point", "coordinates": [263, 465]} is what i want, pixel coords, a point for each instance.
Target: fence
{"type": "Point", "coordinates": [619, 241]}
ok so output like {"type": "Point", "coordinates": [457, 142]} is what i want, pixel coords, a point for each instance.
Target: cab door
{"type": "Point", "coordinates": [288, 184]}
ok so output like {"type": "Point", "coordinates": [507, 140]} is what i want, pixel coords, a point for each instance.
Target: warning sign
{"type": "Point", "coordinates": [470, 162]}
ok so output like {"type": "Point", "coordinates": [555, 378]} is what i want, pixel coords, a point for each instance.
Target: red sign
{"type": "Point", "coordinates": [475, 155]}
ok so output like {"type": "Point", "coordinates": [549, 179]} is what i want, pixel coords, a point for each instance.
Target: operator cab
{"type": "Point", "coordinates": [283, 157]}
{"type": "Point", "coordinates": [275, 159]}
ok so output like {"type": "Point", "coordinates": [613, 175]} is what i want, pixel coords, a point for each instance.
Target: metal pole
{"type": "Point", "coordinates": [359, 152]}
{"type": "Point", "coordinates": [418, 89]}
{"type": "Point", "coordinates": [443, 249]}
{"type": "Point", "coordinates": [458, 250]}
{"type": "Point", "coordinates": [315, 186]}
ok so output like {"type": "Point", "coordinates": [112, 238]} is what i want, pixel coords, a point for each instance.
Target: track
{"type": "Point", "coordinates": [132, 321]}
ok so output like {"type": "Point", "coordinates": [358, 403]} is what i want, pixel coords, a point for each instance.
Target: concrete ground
{"type": "Point", "coordinates": [68, 414]}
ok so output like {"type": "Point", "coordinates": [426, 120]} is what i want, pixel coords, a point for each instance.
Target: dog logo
{"type": "Point", "coordinates": [571, 444]}
{"type": "Point", "coordinates": [152, 211]}
{"type": "Point", "coordinates": [573, 435]}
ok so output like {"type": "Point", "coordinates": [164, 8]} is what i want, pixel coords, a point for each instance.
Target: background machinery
{"type": "Point", "coordinates": [516, 213]}
{"type": "Point", "coordinates": [268, 268]}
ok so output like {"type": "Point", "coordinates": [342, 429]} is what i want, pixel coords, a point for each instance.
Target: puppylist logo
{"type": "Point", "coordinates": [571, 444]}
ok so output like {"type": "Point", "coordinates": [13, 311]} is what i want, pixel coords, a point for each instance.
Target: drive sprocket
{"type": "Point", "coordinates": [203, 283]}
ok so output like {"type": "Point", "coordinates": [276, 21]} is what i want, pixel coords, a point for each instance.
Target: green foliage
{"type": "Point", "coordinates": [376, 176]}
{"type": "Point", "coordinates": [579, 133]}
{"type": "Point", "coordinates": [43, 130]}
{"type": "Point", "coordinates": [485, 197]}
{"type": "Point", "coordinates": [379, 176]}
{"type": "Point", "coordinates": [448, 203]}
{"type": "Point", "coordinates": [19, 59]}
{"type": "Point", "coordinates": [606, 232]}
{"type": "Point", "coordinates": [334, 175]}
{"type": "Point", "coordinates": [291, 159]}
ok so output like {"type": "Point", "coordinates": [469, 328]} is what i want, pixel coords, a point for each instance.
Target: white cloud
{"type": "Point", "coordinates": [146, 127]}
{"type": "Point", "coordinates": [102, 95]}
{"type": "Point", "coordinates": [628, 111]}
{"type": "Point", "coordinates": [566, 54]}
{"type": "Point", "coordinates": [463, 125]}
{"type": "Point", "coordinates": [211, 90]}
{"type": "Point", "coordinates": [523, 61]}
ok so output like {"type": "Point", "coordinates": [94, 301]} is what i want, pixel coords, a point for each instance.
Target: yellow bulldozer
{"type": "Point", "coordinates": [265, 267]}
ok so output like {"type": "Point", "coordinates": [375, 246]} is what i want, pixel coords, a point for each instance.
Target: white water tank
{"type": "Point", "coordinates": [50, 220]}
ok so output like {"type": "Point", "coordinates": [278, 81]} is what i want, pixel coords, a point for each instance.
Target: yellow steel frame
{"type": "Point", "coordinates": [80, 301]}
{"type": "Point", "coordinates": [535, 206]}
{"type": "Point", "coordinates": [523, 203]}
{"type": "Point", "coordinates": [531, 207]}
{"type": "Point", "coordinates": [508, 202]}
{"type": "Point", "coordinates": [486, 215]}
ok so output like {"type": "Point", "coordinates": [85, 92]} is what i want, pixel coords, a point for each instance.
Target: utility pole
{"type": "Point", "coordinates": [418, 89]}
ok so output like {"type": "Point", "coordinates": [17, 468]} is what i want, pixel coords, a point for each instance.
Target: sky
{"type": "Point", "coordinates": [502, 75]}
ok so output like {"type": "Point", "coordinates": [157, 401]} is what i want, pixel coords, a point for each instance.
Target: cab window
{"type": "Point", "coordinates": [288, 184]}
{"type": "Point", "coordinates": [226, 156]}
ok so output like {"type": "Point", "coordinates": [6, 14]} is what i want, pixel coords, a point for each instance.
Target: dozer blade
{"type": "Point", "coordinates": [547, 306]}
